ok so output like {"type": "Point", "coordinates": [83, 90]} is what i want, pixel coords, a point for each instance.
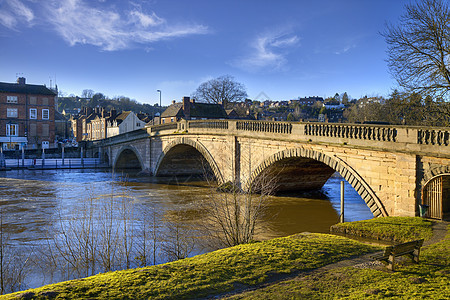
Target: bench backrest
{"type": "Point", "coordinates": [408, 246]}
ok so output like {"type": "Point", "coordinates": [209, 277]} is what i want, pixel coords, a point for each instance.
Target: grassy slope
{"type": "Point", "coordinates": [399, 229]}
{"type": "Point", "coordinates": [427, 280]}
{"type": "Point", "coordinates": [211, 273]}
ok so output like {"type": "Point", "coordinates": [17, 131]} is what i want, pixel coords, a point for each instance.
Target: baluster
{"type": "Point", "coordinates": [439, 138]}
{"type": "Point", "coordinates": [433, 137]}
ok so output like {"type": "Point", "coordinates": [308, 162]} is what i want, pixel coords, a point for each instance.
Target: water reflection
{"type": "Point", "coordinates": [33, 200]}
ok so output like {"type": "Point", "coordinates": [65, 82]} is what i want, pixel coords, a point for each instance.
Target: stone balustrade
{"type": "Point", "coordinates": [265, 126]}
{"type": "Point", "coordinates": [437, 137]}
{"type": "Point", "coordinates": [168, 126]}
{"type": "Point", "coordinates": [364, 132]}
{"type": "Point", "coordinates": [210, 124]}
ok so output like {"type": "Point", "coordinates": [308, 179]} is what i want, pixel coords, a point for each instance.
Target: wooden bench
{"type": "Point", "coordinates": [412, 249]}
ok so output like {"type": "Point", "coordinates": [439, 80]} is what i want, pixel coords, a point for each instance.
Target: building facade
{"type": "Point", "coordinates": [27, 115]}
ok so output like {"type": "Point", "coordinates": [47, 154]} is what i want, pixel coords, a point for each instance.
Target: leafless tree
{"type": "Point", "coordinates": [223, 89]}
{"type": "Point", "coordinates": [179, 237]}
{"type": "Point", "coordinates": [419, 48]}
{"type": "Point", "coordinates": [14, 264]}
{"type": "Point", "coordinates": [149, 237]}
{"type": "Point", "coordinates": [232, 213]}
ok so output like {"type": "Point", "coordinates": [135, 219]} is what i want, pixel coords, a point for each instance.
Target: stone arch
{"type": "Point", "coordinates": [196, 145]}
{"type": "Point", "coordinates": [433, 173]}
{"type": "Point", "coordinates": [128, 148]}
{"type": "Point", "coordinates": [337, 164]}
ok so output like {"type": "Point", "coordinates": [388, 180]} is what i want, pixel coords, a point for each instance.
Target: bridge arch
{"type": "Point", "coordinates": [335, 163]}
{"type": "Point", "coordinates": [128, 157]}
{"type": "Point", "coordinates": [183, 141]}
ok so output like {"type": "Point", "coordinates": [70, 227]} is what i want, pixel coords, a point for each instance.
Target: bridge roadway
{"type": "Point", "coordinates": [389, 166]}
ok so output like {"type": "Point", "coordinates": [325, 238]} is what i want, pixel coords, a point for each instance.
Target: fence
{"type": "Point", "coordinates": [53, 163]}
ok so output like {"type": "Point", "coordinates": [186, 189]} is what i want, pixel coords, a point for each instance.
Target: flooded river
{"type": "Point", "coordinates": [31, 201]}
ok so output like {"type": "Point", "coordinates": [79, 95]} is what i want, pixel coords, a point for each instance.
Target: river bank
{"type": "Point", "coordinates": [286, 267]}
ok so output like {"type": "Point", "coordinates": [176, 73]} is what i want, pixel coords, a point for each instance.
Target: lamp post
{"type": "Point", "coordinates": [160, 110]}
{"type": "Point", "coordinates": [9, 123]}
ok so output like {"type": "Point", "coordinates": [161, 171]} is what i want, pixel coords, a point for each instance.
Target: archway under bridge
{"type": "Point", "coordinates": [305, 169]}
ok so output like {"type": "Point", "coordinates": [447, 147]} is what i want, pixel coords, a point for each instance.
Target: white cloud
{"type": "Point", "coordinates": [146, 20]}
{"type": "Point", "coordinates": [267, 51]}
{"type": "Point", "coordinates": [345, 49]}
{"type": "Point", "coordinates": [97, 23]}
{"type": "Point", "coordinates": [79, 23]}
{"type": "Point", "coordinates": [13, 12]}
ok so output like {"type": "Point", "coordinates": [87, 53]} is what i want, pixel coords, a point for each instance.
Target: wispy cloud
{"type": "Point", "coordinates": [80, 23]}
{"type": "Point", "coordinates": [267, 52]}
{"type": "Point", "coordinates": [345, 49]}
{"type": "Point", "coordinates": [13, 12]}
{"type": "Point", "coordinates": [98, 23]}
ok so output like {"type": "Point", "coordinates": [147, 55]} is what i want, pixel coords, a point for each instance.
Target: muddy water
{"type": "Point", "coordinates": [31, 201]}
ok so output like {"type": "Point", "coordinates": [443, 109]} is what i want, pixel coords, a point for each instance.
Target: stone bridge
{"type": "Point", "coordinates": [393, 168]}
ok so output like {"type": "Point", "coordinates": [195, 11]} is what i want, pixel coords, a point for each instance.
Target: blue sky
{"type": "Point", "coordinates": [284, 49]}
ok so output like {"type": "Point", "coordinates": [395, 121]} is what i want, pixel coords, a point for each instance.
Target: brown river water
{"type": "Point", "coordinates": [31, 201]}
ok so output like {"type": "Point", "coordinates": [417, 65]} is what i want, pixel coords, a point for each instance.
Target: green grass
{"type": "Point", "coordinates": [398, 229]}
{"type": "Point", "coordinates": [212, 273]}
{"type": "Point", "coordinates": [427, 280]}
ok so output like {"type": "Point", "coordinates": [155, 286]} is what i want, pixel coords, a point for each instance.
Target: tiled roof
{"type": "Point", "coordinates": [197, 110]}
{"type": "Point", "coordinates": [25, 89]}
{"type": "Point", "coordinates": [207, 110]}
{"type": "Point", "coordinates": [173, 110]}
{"type": "Point", "coordinates": [123, 115]}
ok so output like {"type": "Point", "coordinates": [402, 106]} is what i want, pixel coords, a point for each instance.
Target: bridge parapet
{"type": "Point", "coordinates": [432, 136]}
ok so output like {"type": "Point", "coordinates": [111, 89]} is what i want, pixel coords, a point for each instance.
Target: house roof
{"type": "Point", "coordinates": [207, 110]}
{"type": "Point", "coordinates": [25, 89]}
{"type": "Point", "coordinates": [197, 110]}
{"type": "Point", "coordinates": [173, 110]}
{"type": "Point", "coordinates": [122, 116]}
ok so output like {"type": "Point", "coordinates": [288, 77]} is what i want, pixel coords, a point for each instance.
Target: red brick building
{"type": "Point", "coordinates": [27, 115]}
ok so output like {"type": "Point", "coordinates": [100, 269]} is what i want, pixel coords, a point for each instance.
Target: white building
{"type": "Point", "coordinates": [125, 122]}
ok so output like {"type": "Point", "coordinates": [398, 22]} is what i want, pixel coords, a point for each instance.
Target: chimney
{"type": "Point", "coordinates": [21, 80]}
{"type": "Point", "coordinates": [103, 112]}
{"type": "Point", "coordinates": [113, 113]}
{"type": "Point", "coordinates": [187, 108]}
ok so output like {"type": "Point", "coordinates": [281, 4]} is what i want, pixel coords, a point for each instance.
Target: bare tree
{"type": "Point", "coordinates": [223, 89]}
{"type": "Point", "coordinates": [232, 212]}
{"type": "Point", "coordinates": [419, 48]}
{"type": "Point", "coordinates": [14, 264]}
{"type": "Point", "coordinates": [179, 239]}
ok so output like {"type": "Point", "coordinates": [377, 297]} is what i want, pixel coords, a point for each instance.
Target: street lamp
{"type": "Point", "coordinates": [9, 123]}
{"type": "Point", "coordinates": [160, 110]}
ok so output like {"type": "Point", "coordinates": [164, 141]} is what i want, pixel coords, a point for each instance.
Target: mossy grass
{"type": "Point", "coordinates": [396, 229]}
{"type": "Point", "coordinates": [209, 274]}
{"type": "Point", "coordinates": [427, 280]}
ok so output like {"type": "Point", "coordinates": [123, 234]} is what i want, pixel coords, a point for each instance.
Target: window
{"type": "Point", "coordinates": [11, 99]}
{"type": "Point", "coordinates": [12, 130]}
{"type": "Point", "coordinates": [138, 124]}
{"type": "Point", "coordinates": [45, 130]}
{"type": "Point", "coordinates": [33, 100]}
{"type": "Point", "coordinates": [171, 119]}
{"type": "Point", "coordinates": [33, 113]}
{"type": "Point", "coordinates": [11, 112]}
{"type": "Point", "coordinates": [32, 132]}
{"type": "Point", "coordinates": [44, 101]}
{"type": "Point", "coordinates": [45, 114]}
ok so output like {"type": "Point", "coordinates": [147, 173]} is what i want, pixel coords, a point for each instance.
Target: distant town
{"type": "Point", "coordinates": [36, 117]}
